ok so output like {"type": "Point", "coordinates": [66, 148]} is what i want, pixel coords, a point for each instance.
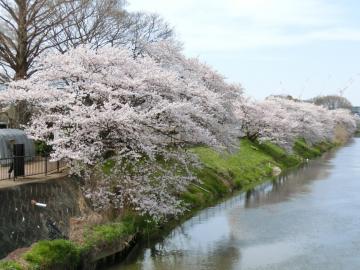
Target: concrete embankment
{"type": "Point", "coordinates": [22, 224]}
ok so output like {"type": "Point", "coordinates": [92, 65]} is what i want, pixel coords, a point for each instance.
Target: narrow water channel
{"type": "Point", "coordinates": [308, 219]}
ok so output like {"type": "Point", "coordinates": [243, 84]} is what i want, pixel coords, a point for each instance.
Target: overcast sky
{"type": "Point", "coordinates": [299, 47]}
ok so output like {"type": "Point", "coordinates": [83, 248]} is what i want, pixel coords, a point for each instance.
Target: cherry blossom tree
{"type": "Point", "coordinates": [345, 123]}
{"type": "Point", "coordinates": [90, 106]}
{"type": "Point", "coordinates": [283, 121]}
{"type": "Point", "coordinates": [307, 121]}
{"type": "Point", "coordinates": [264, 121]}
{"type": "Point", "coordinates": [124, 122]}
{"type": "Point", "coordinates": [199, 76]}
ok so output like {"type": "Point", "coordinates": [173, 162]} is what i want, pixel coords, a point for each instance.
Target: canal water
{"type": "Point", "coordinates": [308, 219]}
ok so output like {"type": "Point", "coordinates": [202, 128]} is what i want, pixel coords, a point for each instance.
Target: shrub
{"type": "Point", "coordinates": [56, 254]}
{"type": "Point", "coordinates": [107, 233]}
{"type": "Point", "coordinates": [9, 265]}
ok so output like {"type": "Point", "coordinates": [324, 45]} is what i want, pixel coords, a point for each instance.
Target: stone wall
{"type": "Point", "coordinates": [22, 224]}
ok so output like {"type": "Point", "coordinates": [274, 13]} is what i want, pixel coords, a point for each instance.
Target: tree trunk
{"type": "Point", "coordinates": [21, 72]}
{"type": "Point", "coordinates": [21, 56]}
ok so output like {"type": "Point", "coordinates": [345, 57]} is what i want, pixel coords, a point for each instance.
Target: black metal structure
{"type": "Point", "coordinates": [19, 160]}
{"type": "Point", "coordinates": [23, 166]}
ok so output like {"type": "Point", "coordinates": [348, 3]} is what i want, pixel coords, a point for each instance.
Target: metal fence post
{"type": "Point", "coordinates": [46, 166]}
{"type": "Point", "coordinates": [13, 171]}
{"type": "Point", "coordinates": [58, 166]}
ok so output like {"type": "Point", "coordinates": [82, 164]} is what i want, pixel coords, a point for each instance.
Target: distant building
{"type": "Point", "coordinates": [356, 110]}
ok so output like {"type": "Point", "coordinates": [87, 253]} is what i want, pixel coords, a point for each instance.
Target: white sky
{"type": "Point", "coordinates": [298, 47]}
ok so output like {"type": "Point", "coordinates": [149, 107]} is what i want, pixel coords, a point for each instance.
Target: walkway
{"type": "Point", "coordinates": [33, 179]}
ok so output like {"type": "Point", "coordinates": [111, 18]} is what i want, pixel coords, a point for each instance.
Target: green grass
{"type": "Point", "coordinates": [63, 254]}
{"type": "Point", "coordinates": [10, 265]}
{"type": "Point", "coordinates": [281, 156]}
{"type": "Point", "coordinates": [252, 164]}
{"type": "Point", "coordinates": [224, 172]}
{"type": "Point", "coordinates": [56, 254]}
{"type": "Point", "coordinates": [305, 150]}
{"type": "Point", "coordinates": [324, 146]}
{"type": "Point", "coordinates": [106, 233]}
{"type": "Point", "coordinates": [243, 168]}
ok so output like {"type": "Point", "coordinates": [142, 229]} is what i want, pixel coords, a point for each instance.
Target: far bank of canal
{"type": "Point", "coordinates": [307, 219]}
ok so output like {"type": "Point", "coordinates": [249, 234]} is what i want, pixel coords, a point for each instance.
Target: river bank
{"type": "Point", "coordinates": [221, 176]}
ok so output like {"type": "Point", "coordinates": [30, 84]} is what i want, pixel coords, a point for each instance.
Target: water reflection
{"type": "Point", "coordinates": [307, 219]}
{"type": "Point", "coordinates": [295, 182]}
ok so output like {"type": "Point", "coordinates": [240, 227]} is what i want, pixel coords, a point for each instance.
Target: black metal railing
{"type": "Point", "coordinates": [23, 166]}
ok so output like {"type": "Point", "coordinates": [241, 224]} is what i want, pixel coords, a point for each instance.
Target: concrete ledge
{"type": "Point", "coordinates": [31, 179]}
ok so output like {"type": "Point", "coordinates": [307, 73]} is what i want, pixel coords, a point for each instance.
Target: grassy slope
{"type": "Point", "coordinates": [248, 167]}
{"type": "Point", "coordinates": [220, 175]}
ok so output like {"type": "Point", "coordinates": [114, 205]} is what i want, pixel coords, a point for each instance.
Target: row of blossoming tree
{"type": "Point", "coordinates": [139, 116]}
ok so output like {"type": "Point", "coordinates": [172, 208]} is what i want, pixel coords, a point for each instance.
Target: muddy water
{"type": "Point", "coordinates": [308, 219]}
